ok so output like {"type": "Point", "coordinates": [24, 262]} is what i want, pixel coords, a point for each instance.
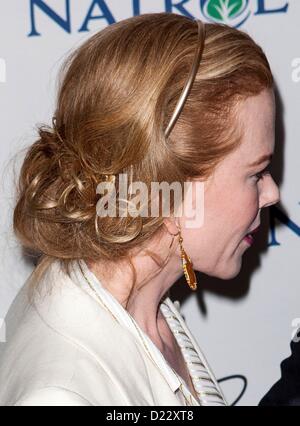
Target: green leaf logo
{"type": "Point", "coordinates": [230, 12]}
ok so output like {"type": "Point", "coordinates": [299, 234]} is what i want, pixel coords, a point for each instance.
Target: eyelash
{"type": "Point", "coordinates": [261, 174]}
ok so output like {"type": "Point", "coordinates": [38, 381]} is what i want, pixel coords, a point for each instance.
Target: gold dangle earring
{"type": "Point", "coordinates": [187, 265]}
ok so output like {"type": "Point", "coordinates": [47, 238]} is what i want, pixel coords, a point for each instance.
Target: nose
{"type": "Point", "coordinates": [270, 194]}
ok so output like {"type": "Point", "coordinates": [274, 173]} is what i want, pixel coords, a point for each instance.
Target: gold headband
{"type": "Point", "coordinates": [184, 94]}
{"type": "Point", "coordinates": [187, 88]}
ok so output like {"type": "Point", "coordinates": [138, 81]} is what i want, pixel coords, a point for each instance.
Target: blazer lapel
{"type": "Point", "coordinates": [74, 312]}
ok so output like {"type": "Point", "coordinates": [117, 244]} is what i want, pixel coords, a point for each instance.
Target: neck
{"type": "Point", "coordinates": [152, 285]}
{"type": "Point", "coordinates": [144, 306]}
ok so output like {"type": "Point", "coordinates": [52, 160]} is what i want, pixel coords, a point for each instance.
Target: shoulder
{"type": "Point", "coordinates": [52, 396]}
{"type": "Point", "coordinates": [69, 345]}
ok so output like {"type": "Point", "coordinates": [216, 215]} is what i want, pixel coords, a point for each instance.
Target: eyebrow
{"type": "Point", "coordinates": [261, 160]}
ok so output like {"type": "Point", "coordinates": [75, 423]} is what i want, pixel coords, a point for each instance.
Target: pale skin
{"type": "Point", "coordinates": [234, 198]}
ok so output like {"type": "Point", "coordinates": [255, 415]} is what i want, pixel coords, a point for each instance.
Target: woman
{"type": "Point", "coordinates": [99, 327]}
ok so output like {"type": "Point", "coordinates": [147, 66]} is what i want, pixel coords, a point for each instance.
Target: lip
{"type": "Point", "coordinates": [255, 230]}
{"type": "Point", "coordinates": [249, 237]}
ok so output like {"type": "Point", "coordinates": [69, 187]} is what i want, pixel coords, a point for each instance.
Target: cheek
{"type": "Point", "coordinates": [238, 207]}
{"type": "Point", "coordinates": [246, 211]}
{"type": "Point", "coordinates": [251, 201]}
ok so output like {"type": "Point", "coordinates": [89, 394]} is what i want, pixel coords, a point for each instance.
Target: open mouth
{"type": "Point", "coordinates": [249, 238]}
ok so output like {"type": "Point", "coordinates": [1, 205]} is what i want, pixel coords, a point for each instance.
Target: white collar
{"type": "Point", "coordinates": [123, 317]}
{"type": "Point", "coordinates": [63, 302]}
{"type": "Point", "coordinates": [93, 285]}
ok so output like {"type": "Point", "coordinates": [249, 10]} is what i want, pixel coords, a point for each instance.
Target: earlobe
{"type": "Point", "coordinates": [171, 226]}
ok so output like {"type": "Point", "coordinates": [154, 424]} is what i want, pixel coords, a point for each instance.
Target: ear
{"type": "Point", "coordinates": [172, 225]}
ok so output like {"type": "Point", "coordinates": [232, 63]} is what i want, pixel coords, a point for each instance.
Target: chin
{"type": "Point", "coordinates": [224, 271]}
{"type": "Point", "coordinates": [231, 274]}
{"type": "Point", "coordinates": [228, 272]}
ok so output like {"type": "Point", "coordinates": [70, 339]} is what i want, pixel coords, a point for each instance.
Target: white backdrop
{"type": "Point", "coordinates": [243, 325]}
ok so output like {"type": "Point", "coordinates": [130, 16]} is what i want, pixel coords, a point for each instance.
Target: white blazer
{"type": "Point", "coordinates": [77, 346]}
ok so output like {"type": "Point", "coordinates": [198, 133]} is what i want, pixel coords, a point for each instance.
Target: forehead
{"type": "Point", "coordinates": [256, 118]}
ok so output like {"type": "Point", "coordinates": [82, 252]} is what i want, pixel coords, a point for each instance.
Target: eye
{"type": "Point", "coordinates": [261, 174]}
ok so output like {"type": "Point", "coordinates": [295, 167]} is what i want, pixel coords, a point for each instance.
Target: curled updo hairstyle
{"type": "Point", "coordinates": [117, 93]}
